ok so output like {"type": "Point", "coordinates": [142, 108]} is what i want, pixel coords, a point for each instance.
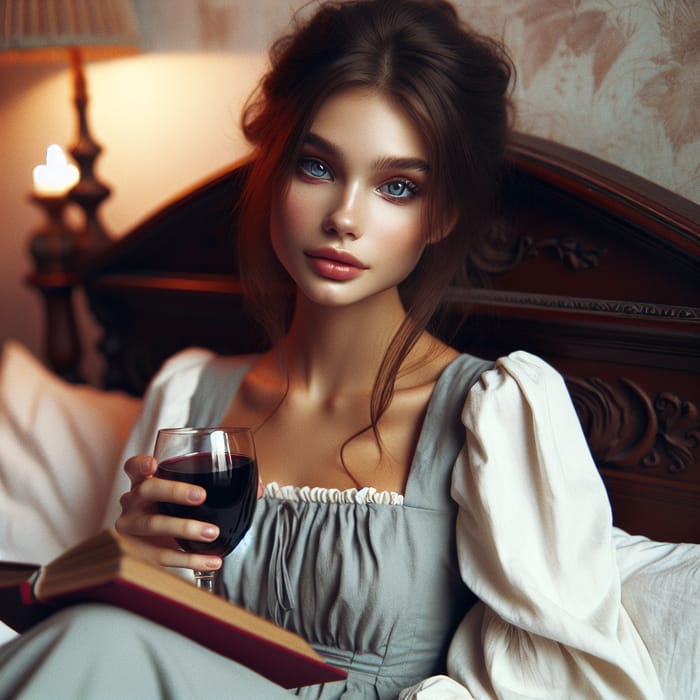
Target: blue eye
{"type": "Point", "coordinates": [399, 189]}
{"type": "Point", "coordinates": [314, 168]}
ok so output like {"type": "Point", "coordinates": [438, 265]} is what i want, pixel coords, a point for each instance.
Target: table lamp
{"type": "Point", "coordinates": [73, 30]}
{"type": "Point", "coordinates": [67, 31]}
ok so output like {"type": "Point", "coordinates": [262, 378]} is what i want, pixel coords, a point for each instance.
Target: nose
{"type": "Point", "coordinates": [344, 218]}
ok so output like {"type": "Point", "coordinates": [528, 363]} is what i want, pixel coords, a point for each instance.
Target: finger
{"type": "Point", "coordinates": [168, 491]}
{"type": "Point", "coordinates": [150, 525]}
{"type": "Point", "coordinates": [172, 557]}
{"type": "Point", "coordinates": [196, 562]}
{"type": "Point", "coordinates": [130, 502]}
{"type": "Point", "coordinates": [140, 467]}
{"type": "Point", "coordinates": [178, 558]}
{"type": "Point", "coordinates": [144, 496]}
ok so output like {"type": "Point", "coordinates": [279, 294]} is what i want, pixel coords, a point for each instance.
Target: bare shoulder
{"type": "Point", "coordinates": [259, 392]}
{"type": "Point", "coordinates": [426, 363]}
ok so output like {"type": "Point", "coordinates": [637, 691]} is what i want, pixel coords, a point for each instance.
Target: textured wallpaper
{"type": "Point", "coordinates": [615, 78]}
{"type": "Point", "coordinates": [619, 79]}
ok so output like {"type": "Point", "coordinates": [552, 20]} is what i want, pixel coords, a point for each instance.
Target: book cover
{"type": "Point", "coordinates": [108, 569]}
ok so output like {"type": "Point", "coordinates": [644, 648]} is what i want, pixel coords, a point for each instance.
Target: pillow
{"type": "Point", "coordinates": [661, 593]}
{"type": "Point", "coordinates": [59, 449]}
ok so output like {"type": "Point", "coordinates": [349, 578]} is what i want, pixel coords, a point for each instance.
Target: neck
{"type": "Point", "coordinates": [333, 351]}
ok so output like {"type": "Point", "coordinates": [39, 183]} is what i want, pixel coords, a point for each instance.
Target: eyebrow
{"type": "Point", "coordinates": [382, 163]}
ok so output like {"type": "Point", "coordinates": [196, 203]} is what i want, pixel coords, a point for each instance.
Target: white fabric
{"type": "Point", "coordinates": [661, 593]}
{"type": "Point", "coordinates": [436, 688]}
{"type": "Point", "coordinates": [535, 545]}
{"type": "Point", "coordinates": [317, 494]}
{"type": "Point", "coordinates": [59, 450]}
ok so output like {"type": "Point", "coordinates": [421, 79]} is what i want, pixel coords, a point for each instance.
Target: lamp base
{"type": "Point", "coordinates": [89, 193]}
{"type": "Point", "coordinates": [52, 248]}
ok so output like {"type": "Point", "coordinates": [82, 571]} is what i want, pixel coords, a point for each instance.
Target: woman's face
{"type": "Point", "coordinates": [349, 225]}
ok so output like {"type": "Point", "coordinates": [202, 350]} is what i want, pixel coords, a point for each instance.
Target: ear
{"type": "Point", "coordinates": [447, 225]}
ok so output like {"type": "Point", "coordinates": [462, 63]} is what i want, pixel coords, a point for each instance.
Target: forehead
{"type": "Point", "coordinates": [361, 120]}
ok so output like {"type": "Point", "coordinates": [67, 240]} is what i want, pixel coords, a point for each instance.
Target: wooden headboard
{"type": "Point", "coordinates": [590, 267]}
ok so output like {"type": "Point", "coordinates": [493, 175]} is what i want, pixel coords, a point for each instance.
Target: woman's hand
{"type": "Point", "coordinates": [155, 533]}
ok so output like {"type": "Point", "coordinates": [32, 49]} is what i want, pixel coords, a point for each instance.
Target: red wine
{"type": "Point", "coordinates": [230, 502]}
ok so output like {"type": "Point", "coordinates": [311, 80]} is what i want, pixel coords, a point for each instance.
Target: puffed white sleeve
{"type": "Point", "coordinates": [166, 404]}
{"type": "Point", "coordinates": [535, 544]}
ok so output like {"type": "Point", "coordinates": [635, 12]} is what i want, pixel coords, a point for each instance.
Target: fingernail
{"type": "Point", "coordinates": [210, 532]}
{"type": "Point", "coordinates": [194, 495]}
{"type": "Point", "coordinates": [214, 563]}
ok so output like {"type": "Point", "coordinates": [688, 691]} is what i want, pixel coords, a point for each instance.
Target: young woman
{"type": "Point", "coordinates": [431, 522]}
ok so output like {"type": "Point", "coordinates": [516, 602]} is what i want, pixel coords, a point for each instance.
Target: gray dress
{"type": "Point", "coordinates": [370, 581]}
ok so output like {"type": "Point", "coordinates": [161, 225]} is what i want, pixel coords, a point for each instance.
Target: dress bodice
{"type": "Point", "coordinates": [369, 579]}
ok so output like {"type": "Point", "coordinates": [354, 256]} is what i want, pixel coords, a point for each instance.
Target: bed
{"type": "Point", "coordinates": [588, 266]}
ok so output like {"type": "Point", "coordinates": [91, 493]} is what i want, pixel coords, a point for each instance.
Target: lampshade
{"type": "Point", "coordinates": [43, 29]}
{"type": "Point", "coordinates": [75, 30]}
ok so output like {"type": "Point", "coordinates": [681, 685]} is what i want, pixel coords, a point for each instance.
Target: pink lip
{"type": "Point", "coordinates": [335, 264]}
{"type": "Point", "coordinates": [339, 256]}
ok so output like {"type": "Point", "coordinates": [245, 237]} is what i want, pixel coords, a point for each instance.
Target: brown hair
{"type": "Point", "coordinates": [450, 81]}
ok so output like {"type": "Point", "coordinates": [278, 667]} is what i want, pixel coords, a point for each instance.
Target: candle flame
{"type": "Point", "coordinates": [58, 176]}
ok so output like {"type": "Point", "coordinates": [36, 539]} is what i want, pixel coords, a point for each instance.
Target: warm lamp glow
{"type": "Point", "coordinates": [76, 29]}
{"type": "Point", "coordinates": [57, 177]}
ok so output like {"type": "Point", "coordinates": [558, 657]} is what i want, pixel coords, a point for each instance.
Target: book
{"type": "Point", "coordinates": [109, 568]}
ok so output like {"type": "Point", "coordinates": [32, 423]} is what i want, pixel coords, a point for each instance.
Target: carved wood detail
{"type": "Point", "coordinates": [640, 309]}
{"type": "Point", "coordinates": [500, 255]}
{"type": "Point", "coordinates": [627, 429]}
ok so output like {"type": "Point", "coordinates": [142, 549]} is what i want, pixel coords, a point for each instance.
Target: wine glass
{"type": "Point", "coordinates": [221, 461]}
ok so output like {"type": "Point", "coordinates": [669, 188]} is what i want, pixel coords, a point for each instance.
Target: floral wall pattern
{"type": "Point", "coordinates": [615, 78]}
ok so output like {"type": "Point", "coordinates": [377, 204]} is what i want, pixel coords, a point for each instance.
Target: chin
{"type": "Point", "coordinates": [331, 298]}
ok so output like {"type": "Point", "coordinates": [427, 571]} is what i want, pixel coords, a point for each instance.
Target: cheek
{"type": "Point", "coordinates": [404, 236]}
{"type": "Point", "coordinates": [289, 218]}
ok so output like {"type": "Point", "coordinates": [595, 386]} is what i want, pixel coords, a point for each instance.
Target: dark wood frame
{"type": "Point", "coordinates": [590, 267]}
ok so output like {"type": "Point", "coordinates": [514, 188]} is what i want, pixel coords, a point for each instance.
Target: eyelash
{"type": "Point", "coordinates": [411, 188]}
{"type": "Point", "coordinates": [306, 163]}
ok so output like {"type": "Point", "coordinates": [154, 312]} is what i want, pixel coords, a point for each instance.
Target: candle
{"type": "Point", "coordinates": [57, 177]}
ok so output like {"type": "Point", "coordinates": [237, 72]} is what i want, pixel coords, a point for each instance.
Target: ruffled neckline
{"type": "Point", "coordinates": [317, 494]}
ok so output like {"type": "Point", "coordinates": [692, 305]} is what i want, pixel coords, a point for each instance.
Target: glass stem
{"type": "Point", "coordinates": [205, 580]}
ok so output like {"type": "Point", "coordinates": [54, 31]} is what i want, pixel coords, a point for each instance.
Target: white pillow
{"type": "Point", "coordinates": [661, 593]}
{"type": "Point", "coordinates": [59, 449]}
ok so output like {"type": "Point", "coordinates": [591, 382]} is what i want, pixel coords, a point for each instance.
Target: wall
{"type": "Point", "coordinates": [616, 78]}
